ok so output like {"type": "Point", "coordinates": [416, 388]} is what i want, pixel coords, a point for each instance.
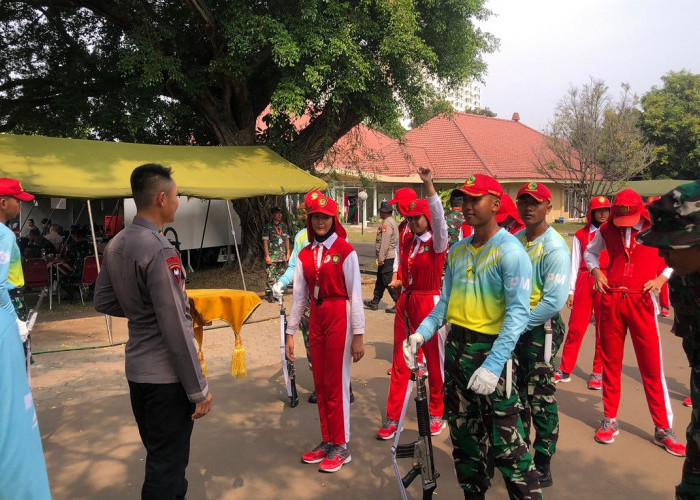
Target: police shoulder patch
{"type": "Point", "coordinates": [175, 267]}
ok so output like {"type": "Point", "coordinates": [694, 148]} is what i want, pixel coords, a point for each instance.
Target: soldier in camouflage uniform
{"type": "Point", "coordinates": [544, 333]}
{"type": "Point", "coordinates": [454, 219]}
{"type": "Point", "coordinates": [675, 231]}
{"type": "Point", "coordinates": [485, 298]}
{"type": "Point", "coordinates": [276, 248]}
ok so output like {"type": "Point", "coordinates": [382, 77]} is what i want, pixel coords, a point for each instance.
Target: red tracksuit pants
{"type": "Point", "coordinates": [330, 337]}
{"type": "Point", "coordinates": [586, 301]}
{"type": "Point", "coordinates": [417, 305]}
{"type": "Point", "coordinates": [621, 310]}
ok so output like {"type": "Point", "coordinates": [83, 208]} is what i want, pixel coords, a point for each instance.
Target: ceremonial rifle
{"type": "Point", "coordinates": [287, 365]}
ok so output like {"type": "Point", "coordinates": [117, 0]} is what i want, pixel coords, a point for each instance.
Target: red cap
{"type": "Point", "coordinates": [537, 190]}
{"type": "Point", "coordinates": [652, 199]}
{"type": "Point", "coordinates": [480, 185]}
{"type": "Point", "coordinates": [507, 208]}
{"type": "Point", "coordinates": [12, 187]}
{"type": "Point", "coordinates": [311, 196]}
{"type": "Point", "coordinates": [627, 209]}
{"type": "Point", "coordinates": [322, 205]}
{"type": "Point", "coordinates": [403, 197]}
{"type": "Point", "coordinates": [417, 208]}
{"type": "Point", "coordinates": [598, 202]}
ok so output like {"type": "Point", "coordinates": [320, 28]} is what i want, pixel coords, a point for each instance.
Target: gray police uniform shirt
{"type": "Point", "coordinates": [387, 237]}
{"type": "Point", "coordinates": [141, 280]}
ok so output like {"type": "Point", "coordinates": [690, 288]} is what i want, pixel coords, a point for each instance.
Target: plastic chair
{"type": "Point", "coordinates": [36, 275]}
{"type": "Point", "coordinates": [89, 274]}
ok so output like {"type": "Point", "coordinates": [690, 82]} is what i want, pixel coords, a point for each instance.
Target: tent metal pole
{"type": "Point", "coordinates": [204, 231]}
{"type": "Point", "coordinates": [108, 320]}
{"type": "Point", "coordinates": [235, 243]}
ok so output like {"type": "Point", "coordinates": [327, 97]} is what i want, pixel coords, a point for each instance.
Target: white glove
{"type": "Point", "coordinates": [23, 332]}
{"type": "Point", "coordinates": [483, 381]}
{"type": "Point", "coordinates": [410, 348]}
{"type": "Point", "coordinates": [278, 290]}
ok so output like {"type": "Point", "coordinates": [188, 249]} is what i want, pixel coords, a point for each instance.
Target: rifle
{"type": "Point", "coordinates": [421, 451]}
{"type": "Point", "coordinates": [31, 320]}
{"type": "Point", "coordinates": [287, 365]}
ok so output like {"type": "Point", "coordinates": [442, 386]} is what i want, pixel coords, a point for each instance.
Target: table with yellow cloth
{"type": "Point", "coordinates": [231, 306]}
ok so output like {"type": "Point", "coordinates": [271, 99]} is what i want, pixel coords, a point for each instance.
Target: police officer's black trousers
{"type": "Point", "coordinates": [164, 418]}
{"type": "Point", "coordinates": [384, 274]}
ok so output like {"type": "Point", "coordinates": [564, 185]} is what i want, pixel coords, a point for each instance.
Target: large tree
{"type": "Point", "coordinates": [671, 121]}
{"type": "Point", "coordinates": [203, 71]}
{"type": "Point", "coordinates": [594, 143]}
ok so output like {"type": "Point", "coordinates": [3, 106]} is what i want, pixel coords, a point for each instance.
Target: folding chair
{"type": "Point", "coordinates": [89, 274]}
{"type": "Point", "coordinates": [36, 275]}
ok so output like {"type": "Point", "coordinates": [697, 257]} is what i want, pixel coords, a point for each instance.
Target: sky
{"type": "Point", "coordinates": [546, 46]}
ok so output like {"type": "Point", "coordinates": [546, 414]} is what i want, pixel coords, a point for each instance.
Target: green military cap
{"type": "Point", "coordinates": [675, 219]}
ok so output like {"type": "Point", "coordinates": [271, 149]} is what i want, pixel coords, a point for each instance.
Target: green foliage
{"type": "Point", "coordinates": [671, 121]}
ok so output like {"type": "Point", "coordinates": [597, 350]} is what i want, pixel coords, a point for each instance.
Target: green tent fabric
{"type": "Point", "coordinates": [72, 168]}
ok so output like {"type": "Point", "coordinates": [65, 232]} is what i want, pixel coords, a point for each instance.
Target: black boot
{"type": "Point", "coordinates": [352, 396]}
{"type": "Point", "coordinates": [371, 304]}
{"type": "Point", "coordinates": [270, 297]}
{"type": "Point", "coordinates": [312, 398]}
{"type": "Point", "coordinates": [470, 495]}
{"type": "Point", "coordinates": [544, 472]}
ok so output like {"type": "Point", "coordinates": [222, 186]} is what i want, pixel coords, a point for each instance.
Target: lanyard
{"type": "Point", "coordinates": [633, 243]}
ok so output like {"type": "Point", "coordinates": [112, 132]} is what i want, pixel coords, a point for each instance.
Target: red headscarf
{"type": "Point", "coordinates": [419, 207]}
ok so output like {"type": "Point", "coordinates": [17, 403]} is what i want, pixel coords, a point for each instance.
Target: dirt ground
{"type": "Point", "coordinates": [249, 445]}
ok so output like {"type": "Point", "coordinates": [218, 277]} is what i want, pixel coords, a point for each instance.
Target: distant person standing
{"type": "Point", "coordinates": [276, 247]}
{"type": "Point", "coordinates": [675, 231]}
{"type": "Point", "coordinates": [454, 219]}
{"type": "Point", "coordinates": [141, 280]}
{"type": "Point", "coordinates": [583, 299]}
{"type": "Point", "coordinates": [22, 466]}
{"type": "Point", "coordinates": [28, 227]}
{"type": "Point", "coordinates": [385, 248]}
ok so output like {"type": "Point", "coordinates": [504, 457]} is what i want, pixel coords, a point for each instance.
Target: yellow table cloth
{"type": "Point", "coordinates": [231, 306]}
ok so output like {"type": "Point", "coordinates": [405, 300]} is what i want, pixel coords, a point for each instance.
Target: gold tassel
{"type": "Point", "coordinates": [200, 355]}
{"type": "Point", "coordinates": [238, 359]}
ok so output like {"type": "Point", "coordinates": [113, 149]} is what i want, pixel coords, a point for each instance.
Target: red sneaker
{"type": "Point", "coordinates": [388, 430]}
{"type": "Point", "coordinates": [667, 439]}
{"type": "Point", "coordinates": [437, 424]}
{"type": "Point", "coordinates": [609, 428]}
{"type": "Point", "coordinates": [317, 454]}
{"type": "Point", "coordinates": [595, 382]}
{"type": "Point", "coordinates": [560, 376]}
{"type": "Point", "coordinates": [337, 457]}
{"type": "Point", "coordinates": [688, 402]}
{"type": "Point", "coordinates": [664, 312]}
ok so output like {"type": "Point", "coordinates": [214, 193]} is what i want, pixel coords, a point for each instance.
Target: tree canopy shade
{"type": "Point", "coordinates": [671, 122]}
{"type": "Point", "coordinates": [94, 169]}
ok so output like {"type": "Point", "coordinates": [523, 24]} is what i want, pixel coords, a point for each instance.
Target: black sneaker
{"type": "Point", "coordinates": [370, 304]}
{"type": "Point", "coordinates": [390, 310]}
{"type": "Point", "coordinates": [544, 474]}
{"type": "Point", "coordinates": [312, 398]}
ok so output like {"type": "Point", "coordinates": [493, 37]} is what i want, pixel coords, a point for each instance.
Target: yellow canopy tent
{"type": "Point", "coordinates": [74, 168]}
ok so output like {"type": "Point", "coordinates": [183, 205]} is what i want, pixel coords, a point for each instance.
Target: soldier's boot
{"type": "Point", "coordinates": [684, 495]}
{"type": "Point", "coordinates": [516, 492]}
{"type": "Point", "coordinates": [471, 495]}
{"type": "Point", "coordinates": [544, 472]}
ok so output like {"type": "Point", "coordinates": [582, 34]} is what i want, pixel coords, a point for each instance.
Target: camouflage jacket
{"type": "Point", "coordinates": [685, 299]}
{"type": "Point", "coordinates": [276, 235]}
{"type": "Point", "coordinates": [454, 219]}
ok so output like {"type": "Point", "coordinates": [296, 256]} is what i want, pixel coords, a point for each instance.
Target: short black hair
{"type": "Point", "coordinates": [275, 210]}
{"type": "Point", "coordinates": [148, 180]}
{"type": "Point", "coordinates": [456, 201]}
{"type": "Point", "coordinates": [80, 233]}
{"type": "Point", "coordinates": [35, 231]}
{"type": "Point", "coordinates": [30, 220]}
{"type": "Point", "coordinates": [45, 221]}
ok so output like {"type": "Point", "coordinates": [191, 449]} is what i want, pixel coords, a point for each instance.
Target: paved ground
{"type": "Point", "coordinates": [249, 445]}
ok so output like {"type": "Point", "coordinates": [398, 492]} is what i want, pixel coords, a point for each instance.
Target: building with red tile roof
{"type": "Point", "coordinates": [455, 147]}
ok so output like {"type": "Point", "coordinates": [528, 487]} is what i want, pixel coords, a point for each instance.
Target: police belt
{"type": "Point", "coordinates": [461, 334]}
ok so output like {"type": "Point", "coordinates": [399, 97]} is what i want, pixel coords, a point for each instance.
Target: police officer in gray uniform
{"type": "Point", "coordinates": [141, 279]}
{"type": "Point", "coordinates": [385, 250]}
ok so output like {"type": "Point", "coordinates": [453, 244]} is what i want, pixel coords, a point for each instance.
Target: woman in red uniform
{"type": "Point", "coordinates": [508, 217]}
{"type": "Point", "coordinates": [328, 273]}
{"type": "Point", "coordinates": [421, 259]}
{"type": "Point", "coordinates": [583, 299]}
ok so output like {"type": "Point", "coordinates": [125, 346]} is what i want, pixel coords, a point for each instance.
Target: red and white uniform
{"type": "Point", "coordinates": [328, 273]}
{"type": "Point", "coordinates": [421, 262]}
{"type": "Point", "coordinates": [625, 307]}
{"type": "Point", "coordinates": [586, 301]}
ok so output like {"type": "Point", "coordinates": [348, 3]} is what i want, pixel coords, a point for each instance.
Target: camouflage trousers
{"type": "Point", "coordinates": [535, 382]}
{"type": "Point", "coordinates": [689, 487]}
{"type": "Point", "coordinates": [484, 428]}
{"type": "Point", "coordinates": [17, 298]}
{"type": "Point", "coordinates": [274, 273]}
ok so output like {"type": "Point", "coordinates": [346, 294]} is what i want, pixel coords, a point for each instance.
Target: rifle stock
{"type": "Point", "coordinates": [287, 365]}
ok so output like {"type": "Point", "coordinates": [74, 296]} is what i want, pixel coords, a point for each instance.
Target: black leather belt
{"type": "Point", "coordinates": [466, 335]}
